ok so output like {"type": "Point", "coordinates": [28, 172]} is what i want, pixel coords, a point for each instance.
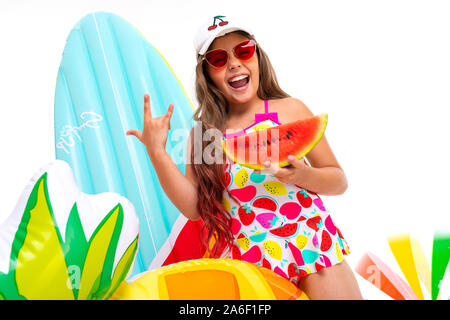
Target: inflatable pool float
{"type": "Point", "coordinates": [209, 279]}
{"type": "Point", "coordinates": [414, 265]}
{"type": "Point", "coordinates": [59, 243]}
{"type": "Point", "coordinates": [106, 68]}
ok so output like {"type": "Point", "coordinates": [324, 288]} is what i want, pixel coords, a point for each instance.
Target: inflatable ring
{"type": "Point", "coordinates": [199, 280]}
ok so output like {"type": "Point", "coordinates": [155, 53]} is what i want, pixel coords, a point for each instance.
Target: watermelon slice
{"type": "Point", "coordinates": [276, 143]}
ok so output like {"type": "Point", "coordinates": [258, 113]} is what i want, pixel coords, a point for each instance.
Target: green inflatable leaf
{"type": "Point", "coordinates": [8, 286]}
{"type": "Point", "coordinates": [440, 260]}
{"type": "Point", "coordinates": [105, 235]}
{"type": "Point", "coordinates": [123, 267]}
{"type": "Point", "coordinates": [44, 266]}
{"type": "Point", "coordinates": [75, 247]}
{"type": "Point", "coordinates": [41, 270]}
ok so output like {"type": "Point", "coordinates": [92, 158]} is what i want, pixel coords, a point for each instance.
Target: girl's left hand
{"type": "Point", "coordinates": [295, 174]}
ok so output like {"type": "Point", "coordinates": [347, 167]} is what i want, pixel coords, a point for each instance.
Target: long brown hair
{"type": "Point", "coordinates": [212, 113]}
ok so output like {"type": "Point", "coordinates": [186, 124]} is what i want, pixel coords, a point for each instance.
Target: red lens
{"type": "Point", "coordinates": [245, 50]}
{"type": "Point", "coordinates": [217, 58]}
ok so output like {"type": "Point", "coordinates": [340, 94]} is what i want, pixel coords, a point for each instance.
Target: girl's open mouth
{"type": "Point", "coordinates": [239, 82]}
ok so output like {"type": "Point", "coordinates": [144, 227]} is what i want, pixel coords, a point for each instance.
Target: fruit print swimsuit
{"type": "Point", "coordinates": [280, 226]}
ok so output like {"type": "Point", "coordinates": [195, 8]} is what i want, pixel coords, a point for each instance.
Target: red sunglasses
{"type": "Point", "coordinates": [218, 58]}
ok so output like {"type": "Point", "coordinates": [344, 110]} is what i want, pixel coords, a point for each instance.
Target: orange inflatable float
{"type": "Point", "coordinates": [209, 279]}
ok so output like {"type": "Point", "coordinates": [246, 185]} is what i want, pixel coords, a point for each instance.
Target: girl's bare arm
{"type": "Point", "coordinates": [180, 189]}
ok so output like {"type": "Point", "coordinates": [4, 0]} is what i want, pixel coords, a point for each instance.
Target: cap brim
{"type": "Point", "coordinates": [222, 32]}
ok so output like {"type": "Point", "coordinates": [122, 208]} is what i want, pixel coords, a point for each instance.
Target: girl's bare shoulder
{"type": "Point", "coordinates": [289, 109]}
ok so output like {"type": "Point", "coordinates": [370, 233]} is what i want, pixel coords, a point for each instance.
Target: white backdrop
{"type": "Point", "coordinates": [380, 69]}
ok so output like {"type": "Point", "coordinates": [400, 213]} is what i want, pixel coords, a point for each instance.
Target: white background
{"type": "Point", "coordinates": [380, 69]}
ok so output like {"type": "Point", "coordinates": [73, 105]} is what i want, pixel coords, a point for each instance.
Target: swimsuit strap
{"type": "Point", "coordinates": [267, 115]}
{"type": "Point", "coordinates": [259, 117]}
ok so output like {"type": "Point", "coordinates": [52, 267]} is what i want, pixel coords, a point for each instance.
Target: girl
{"type": "Point", "coordinates": [236, 88]}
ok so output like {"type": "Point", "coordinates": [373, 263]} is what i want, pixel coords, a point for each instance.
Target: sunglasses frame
{"type": "Point", "coordinates": [227, 51]}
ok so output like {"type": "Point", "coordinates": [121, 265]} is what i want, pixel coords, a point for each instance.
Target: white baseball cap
{"type": "Point", "coordinates": [215, 27]}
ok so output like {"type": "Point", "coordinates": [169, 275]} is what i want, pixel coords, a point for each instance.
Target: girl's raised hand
{"type": "Point", "coordinates": [294, 174]}
{"type": "Point", "coordinates": [155, 132]}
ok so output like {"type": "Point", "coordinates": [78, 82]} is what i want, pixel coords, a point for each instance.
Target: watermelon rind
{"type": "Point", "coordinates": [324, 121]}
